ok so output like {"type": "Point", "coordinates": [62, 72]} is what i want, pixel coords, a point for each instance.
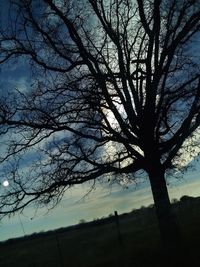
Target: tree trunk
{"type": "Point", "coordinates": [168, 226]}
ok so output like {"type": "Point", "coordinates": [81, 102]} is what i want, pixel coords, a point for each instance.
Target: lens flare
{"type": "Point", "coordinates": [5, 183]}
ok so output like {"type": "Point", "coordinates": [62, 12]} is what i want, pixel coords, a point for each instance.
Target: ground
{"type": "Point", "coordinates": [136, 242]}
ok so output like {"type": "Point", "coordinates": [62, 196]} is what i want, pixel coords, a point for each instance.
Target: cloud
{"type": "Point", "coordinates": [22, 84]}
{"type": "Point", "coordinates": [190, 150]}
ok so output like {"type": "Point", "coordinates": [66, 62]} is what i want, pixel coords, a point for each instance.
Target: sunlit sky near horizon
{"type": "Point", "coordinates": [100, 202]}
{"type": "Point", "coordinates": [74, 206]}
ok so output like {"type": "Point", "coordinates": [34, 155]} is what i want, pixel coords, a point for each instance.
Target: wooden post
{"type": "Point", "coordinates": [118, 228]}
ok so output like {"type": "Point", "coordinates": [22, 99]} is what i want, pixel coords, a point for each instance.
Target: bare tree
{"type": "Point", "coordinates": [115, 90]}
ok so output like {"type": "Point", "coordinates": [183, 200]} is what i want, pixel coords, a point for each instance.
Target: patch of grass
{"type": "Point", "coordinates": [97, 243]}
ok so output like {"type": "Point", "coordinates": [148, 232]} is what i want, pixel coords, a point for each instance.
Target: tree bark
{"type": "Point", "coordinates": [169, 230]}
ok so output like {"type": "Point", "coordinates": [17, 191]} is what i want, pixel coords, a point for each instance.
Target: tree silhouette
{"type": "Point", "coordinates": [115, 90]}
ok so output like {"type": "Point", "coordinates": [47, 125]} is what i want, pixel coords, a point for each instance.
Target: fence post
{"type": "Point", "coordinates": [118, 228]}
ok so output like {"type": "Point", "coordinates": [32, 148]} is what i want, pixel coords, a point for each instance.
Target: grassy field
{"type": "Point", "coordinates": [97, 244]}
